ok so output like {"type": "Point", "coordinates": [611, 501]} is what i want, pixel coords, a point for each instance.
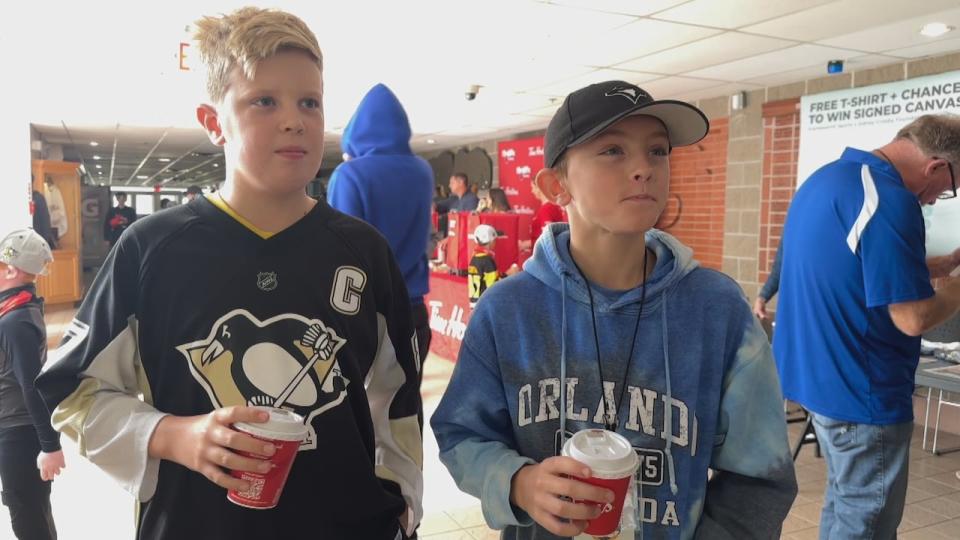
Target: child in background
{"type": "Point", "coordinates": [482, 271]}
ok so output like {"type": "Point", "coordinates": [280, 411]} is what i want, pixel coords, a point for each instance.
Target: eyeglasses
{"type": "Point", "coordinates": [953, 185]}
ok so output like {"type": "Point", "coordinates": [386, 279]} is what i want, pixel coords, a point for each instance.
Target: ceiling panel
{"type": "Point", "coordinates": [734, 14]}
{"type": "Point", "coordinates": [633, 40]}
{"type": "Point", "coordinates": [774, 62]}
{"type": "Point", "coordinates": [928, 49]}
{"type": "Point", "coordinates": [844, 17]}
{"type": "Point", "coordinates": [564, 87]}
{"type": "Point", "coordinates": [711, 51]}
{"type": "Point", "coordinates": [629, 7]}
{"type": "Point", "coordinates": [899, 34]}
{"type": "Point", "coordinates": [668, 87]}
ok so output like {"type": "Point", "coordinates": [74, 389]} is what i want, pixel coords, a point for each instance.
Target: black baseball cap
{"type": "Point", "coordinates": [588, 111]}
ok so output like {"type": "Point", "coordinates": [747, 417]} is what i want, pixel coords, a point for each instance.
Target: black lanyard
{"type": "Point", "coordinates": [611, 422]}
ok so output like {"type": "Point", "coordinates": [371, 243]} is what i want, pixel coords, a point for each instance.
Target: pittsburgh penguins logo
{"type": "Point", "coordinates": [630, 92]}
{"type": "Point", "coordinates": [286, 361]}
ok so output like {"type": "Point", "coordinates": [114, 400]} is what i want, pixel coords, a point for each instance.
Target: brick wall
{"type": "Point", "coordinates": [698, 178]}
{"type": "Point", "coordinates": [781, 146]}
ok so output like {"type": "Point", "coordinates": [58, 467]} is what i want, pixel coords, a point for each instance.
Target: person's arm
{"type": "Point", "coordinates": [24, 343]}
{"type": "Point", "coordinates": [770, 286]}
{"type": "Point", "coordinates": [754, 484]}
{"type": "Point", "coordinates": [916, 317]}
{"type": "Point", "coordinates": [942, 266]}
{"type": "Point", "coordinates": [342, 194]}
{"type": "Point", "coordinates": [393, 392]}
{"type": "Point", "coordinates": [99, 396]}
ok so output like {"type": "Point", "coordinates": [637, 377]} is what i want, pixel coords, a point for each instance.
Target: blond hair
{"type": "Point", "coordinates": [246, 36]}
{"type": "Point", "coordinates": [936, 135]}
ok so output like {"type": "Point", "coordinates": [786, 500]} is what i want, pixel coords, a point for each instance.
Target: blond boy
{"type": "Point", "coordinates": [150, 380]}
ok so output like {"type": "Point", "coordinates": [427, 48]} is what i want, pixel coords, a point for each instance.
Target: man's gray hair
{"type": "Point", "coordinates": [936, 135]}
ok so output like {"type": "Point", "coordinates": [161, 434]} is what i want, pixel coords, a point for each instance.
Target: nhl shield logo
{"type": "Point", "coordinates": [267, 281]}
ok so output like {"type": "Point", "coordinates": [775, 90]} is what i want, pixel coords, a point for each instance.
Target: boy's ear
{"type": "Point", "coordinates": [210, 122]}
{"type": "Point", "coordinates": [548, 180]}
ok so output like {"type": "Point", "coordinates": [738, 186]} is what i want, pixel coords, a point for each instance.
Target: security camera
{"type": "Point", "coordinates": [472, 91]}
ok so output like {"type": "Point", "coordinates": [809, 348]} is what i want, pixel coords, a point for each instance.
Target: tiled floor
{"type": "Point", "coordinates": [933, 496]}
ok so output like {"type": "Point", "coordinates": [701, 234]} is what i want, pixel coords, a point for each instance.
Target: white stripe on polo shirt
{"type": "Point", "coordinates": [870, 203]}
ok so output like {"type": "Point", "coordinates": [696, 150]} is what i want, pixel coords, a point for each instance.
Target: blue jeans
{"type": "Point", "coordinates": [866, 478]}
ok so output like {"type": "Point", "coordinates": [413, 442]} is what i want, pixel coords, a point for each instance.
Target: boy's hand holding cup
{"type": "Point", "coordinates": [222, 439]}
{"type": "Point", "coordinates": [613, 463]}
{"type": "Point", "coordinates": [546, 492]}
{"type": "Point", "coordinates": [581, 491]}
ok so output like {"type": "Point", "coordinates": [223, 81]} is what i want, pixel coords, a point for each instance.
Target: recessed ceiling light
{"type": "Point", "coordinates": [99, 166]}
{"type": "Point", "coordinates": [142, 176]}
{"type": "Point", "coordinates": [164, 159]}
{"type": "Point", "coordinates": [431, 141]}
{"type": "Point", "coordinates": [936, 29]}
{"type": "Point", "coordinates": [94, 143]}
{"type": "Point", "coordinates": [96, 157]}
{"type": "Point", "coordinates": [216, 164]}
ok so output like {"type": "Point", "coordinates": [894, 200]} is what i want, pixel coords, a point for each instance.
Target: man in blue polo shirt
{"type": "Point", "coordinates": [855, 295]}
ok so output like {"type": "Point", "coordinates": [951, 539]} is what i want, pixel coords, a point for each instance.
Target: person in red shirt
{"type": "Point", "coordinates": [547, 213]}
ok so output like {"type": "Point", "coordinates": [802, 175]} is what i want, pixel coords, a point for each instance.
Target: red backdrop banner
{"type": "Point", "coordinates": [519, 162]}
{"type": "Point", "coordinates": [449, 310]}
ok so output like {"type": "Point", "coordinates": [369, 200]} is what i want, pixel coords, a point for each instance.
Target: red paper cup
{"type": "Point", "coordinates": [613, 463]}
{"type": "Point", "coordinates": [285, 431]}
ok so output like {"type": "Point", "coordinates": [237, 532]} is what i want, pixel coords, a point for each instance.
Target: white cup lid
{"type": "Point", "coordinates": [283, 425]}
{"type": "Point", "coordinates": [608, 454]}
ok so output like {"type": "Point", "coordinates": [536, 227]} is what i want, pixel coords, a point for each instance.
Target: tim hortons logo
{"type": "Point", "coordinates": [523, 171]}
{"type": "Point", "coordinates": [508, 154]}
{"type": "Point", "coordinates": [452, 326]}
{"type": "Point", "coordinates": [535, 151]}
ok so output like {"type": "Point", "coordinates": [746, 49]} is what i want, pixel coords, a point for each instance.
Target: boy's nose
{"type": "Point", "coordinates": [294, 125]}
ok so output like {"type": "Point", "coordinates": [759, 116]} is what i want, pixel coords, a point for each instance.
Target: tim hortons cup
{"type": "Point", "coordinates": [285, 431]}
{"type": "Point", "coordinates": [613, 463]}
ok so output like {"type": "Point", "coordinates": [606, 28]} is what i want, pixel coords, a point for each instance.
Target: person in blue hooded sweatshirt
{"type": "Point", "coordinates": [614, 325]}
{"type": "Point", "coordinates": [385, 184]}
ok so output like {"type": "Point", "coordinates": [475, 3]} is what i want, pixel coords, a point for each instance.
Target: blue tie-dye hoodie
{"type": "Point", "coordinates": [701, 393]}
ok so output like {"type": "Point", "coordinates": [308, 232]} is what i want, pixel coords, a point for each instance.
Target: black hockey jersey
{"type": "Point", "coordinates": [481, 275]}
{"type": "Point", "coordinates": [193, 311]}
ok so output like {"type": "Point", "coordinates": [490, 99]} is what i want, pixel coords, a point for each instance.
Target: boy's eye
{"type": "Point", "coordinates": [660, 152]}
{"type": "Point", "coordinates": [612, 151]}
{"type": "Point", "coordinates": [311, 103]}
{"type": "Point", "coordinates": [265, 101]}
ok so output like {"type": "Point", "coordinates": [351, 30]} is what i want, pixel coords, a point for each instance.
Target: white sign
{"type": "Point", "coordinates": [869, 117]}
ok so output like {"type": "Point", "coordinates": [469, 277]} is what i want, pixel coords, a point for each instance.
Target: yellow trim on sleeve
{"type": "Point", "coordinates": [218, 201]}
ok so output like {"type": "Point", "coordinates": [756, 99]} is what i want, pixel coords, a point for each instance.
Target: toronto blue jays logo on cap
{"type": "Point", "coordinates": [630, 92]}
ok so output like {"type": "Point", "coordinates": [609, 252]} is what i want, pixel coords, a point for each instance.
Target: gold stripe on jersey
{"type": "Point", "coordinates": [218, 201]}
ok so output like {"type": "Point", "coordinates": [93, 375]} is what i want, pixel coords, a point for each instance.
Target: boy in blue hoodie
{"type": "Point", "coordinates": [614, 324]}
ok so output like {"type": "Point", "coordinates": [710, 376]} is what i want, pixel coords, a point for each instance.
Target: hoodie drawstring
{"type": "Point", "coordinates": [668, 412]}
{"type": "Point", "coordinates": [563, 361]}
